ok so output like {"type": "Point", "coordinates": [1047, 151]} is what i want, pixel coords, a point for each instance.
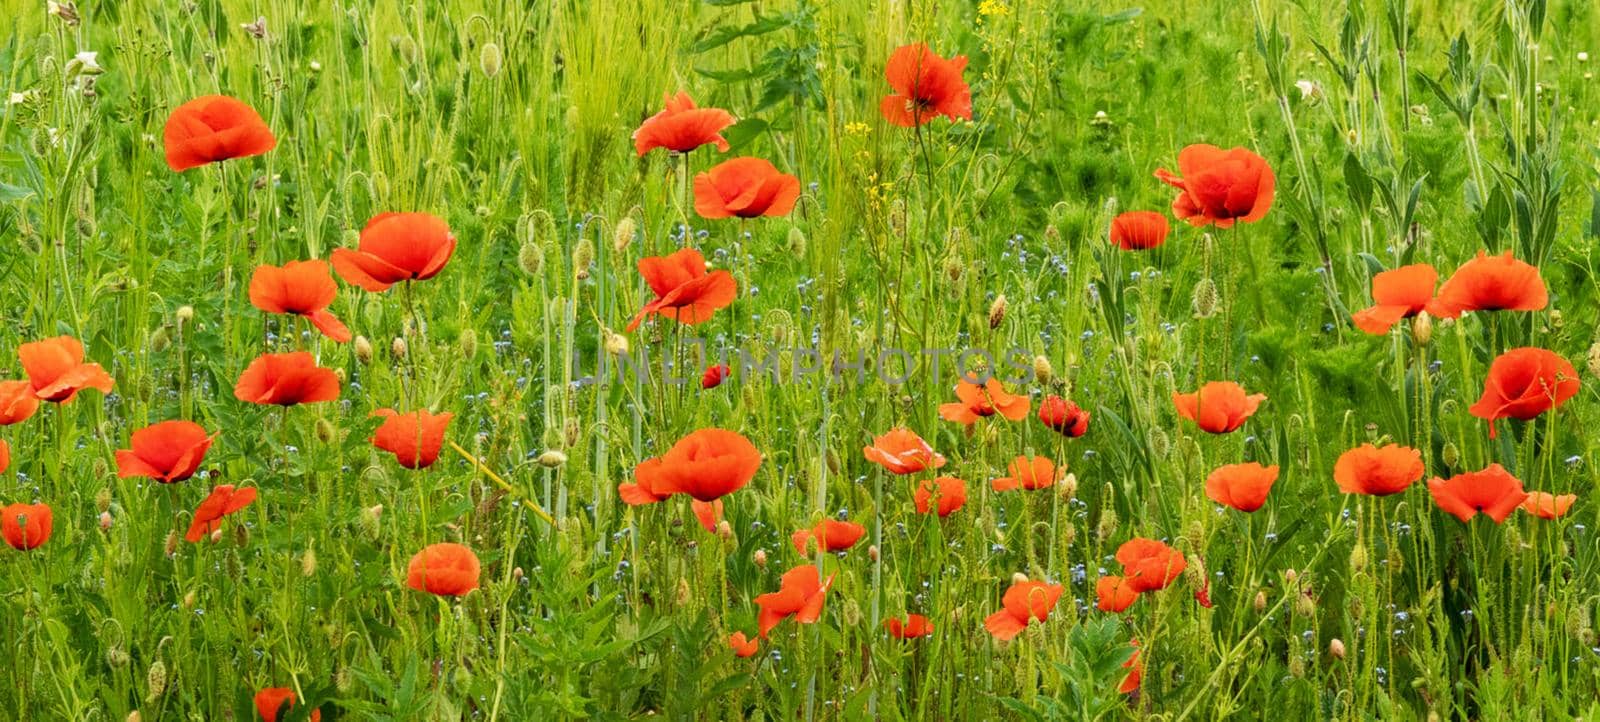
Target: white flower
{"type": "Point", "coordinates": [1309, 90]}
{"type": "Point", "coordinates": [86, 62]}
{"type": "Point", "coordinates": [19, 98]}
{"type": "Point", "coordinates": [1583, 57]}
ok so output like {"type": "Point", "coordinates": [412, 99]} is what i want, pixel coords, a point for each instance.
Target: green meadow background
{"type": "Point", "coordinates": [1425, 131]}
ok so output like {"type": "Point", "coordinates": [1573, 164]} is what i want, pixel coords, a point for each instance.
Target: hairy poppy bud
{"type": "Point", "coordinates": [1205, 298]}
{"type": "Point", "coordinates": [370, 516]}
{"type": "Point", "coordinates": [852, 613]}
{"type": "Point", "coordinates": [1042, 371]}
{"type": "Point", "coordinates": [953, 269]}
{"type": "Point", "coordinates": [1336, 648]}
{"type": "Point", "coordinates": [1108, 521]}
{"type": "Point", "coordinates": [1358, 559]}
{"type": "Point", "coordinates": [1018, 578]}
{"type": "Point", "coordinates": [1450, 455]}
{"type": "Point", "coordinates": [1422, 329]}
{"type": "Point", "coordinates": [615, 343]}
{"type": "Point", "coordinates": [489, 60]}
{"type": "Point", "coordinates": [531, 259]}
{"type": "Point", "coordinates": [622, 237]}
{"type": "Point", "coordinates": [724, 530]}
{"type": "Point", "coordinates": [684, 595]}
{"type": "Point", "coordinates": [552, 459]}
{"type": "Point", "coordinates": [468, 342]}
{"type": "Point", "coordinates": [872, 552]}
{"type": "Point", "coordinates": [105, 521]}
{"type": "Point", "coordinates": [363, 349]}
{"type": "Point", "coordinates": [797, 241]}
{"type": "Point", "coordinates": [185, 315]}
{"type": "Point", "coordinates": [1068, 486]}
{"type": "Point", "coordinates": [1594, 359]}
{"type": "Point", "coordinates": [171, 546]}
{"type": "Point", "coordinates": [398, 347]}
{"type": "Point", "coordinates": [1305, 605]}
{"type": "Point", "coordinates": [159, 340]}
{"type": "Point", "coordinates": [102, 500]}
{"type": "Point", "coordinates": [1260, 603]}
{"type": "Point", "coordinates": [997, 311]}
{"type": "Point", "coordinates": [156, 681]}
{"type": "Point", "coordinates": [582, 258]}
{"type": "Point", "coordinates": [308, 562]}
{"type": "Point", "coordinates": [761, 558]}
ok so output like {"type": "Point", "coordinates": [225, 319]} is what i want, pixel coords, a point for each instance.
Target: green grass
{"type": "Point", "coordinates": [621, 613]}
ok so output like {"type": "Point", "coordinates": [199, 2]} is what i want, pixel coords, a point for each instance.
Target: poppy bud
{"type": "Point", "coordinates": [997, 311]}
{"type": "Point", "coordinates": [852, 613]}
{"type": "Point", "coordinates": [363, 349]}
{"type": "Point", "coordinates": [953, 269]}
{"type": "Point", "coordinates": [398, 347]}
{"type": "Point", "coordinates": [1358, 559]}
{"type": "Point", "coordinates": [1068, 486]}
{"type": "Point", "coordinates": [684, 595]}
{"type": "Point", "coordinates": [1160, 443]}
{"type": "Point", "coordinates": [1260, 603]}
{"type": "Point", "coordinates": [1594, 358]}
{"type": "Point", "coordinates": [622, 237]}
{"type": "Point", "coordinates": [616, 344]}
{"type": "Point", "coordinates": [171, 546]}
{"type": "Point", "coordinates": [1422, 329]}
{"type": "Point", "coordinates": [102, 500]}
{"type": "Point", "coordinates": [1108, 523]}
{"type": "Point", "coordinates": [159, 340]}
{"type": "Point", "coordinates": [582, 258]}
{"type": "Point", "coordinates": [1019, 578]}
{"type": "Point", "coordinates": [1291, 576]}
{"type": "Point", "coordinates": [724, 530]}
{"type": "Point", "coordinates": [185, 315]}
{"type": "Point", "coordinates": [156, 680]}
{"type": "Point", "coordinates": [1450, 455]}
{"type": "Point", "coordinates": [872, 552]}
{"type": "Point", "coordinates": [897, 217]}
{"type": "Point", "coordinates": [552, 459]}
{"type": "Point", "coordinates": [308, 562]}
{"type": "Point", "coordinates": [1042, 370]}
{"type": "Point", "coordinates": [531, 259]}
{"type": "Point", "coordinates": [105, 521]}
{"type": "Point", "coordinates": [1305, 606]}
{"type": "Point", "coordinates": [1205, 298]}
{"type": "Point", "coordinates": [1297, 663]}
{"type": "Point", "coordinates": [572, 430]}
{"type": "Point", "coordinates": [796, 241]}
{"type": "Point", "coordinates": [761, 558]}
{"type": "Point", "coordinates": [489, 60]}
{"type": "Point", "coordinates": [1336, 648]}
{"type": "Point", "coordinates": [468, 342]}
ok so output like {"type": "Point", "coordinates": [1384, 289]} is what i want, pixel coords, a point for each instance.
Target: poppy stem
{"type": "Point", "coordinates": [503, 484]}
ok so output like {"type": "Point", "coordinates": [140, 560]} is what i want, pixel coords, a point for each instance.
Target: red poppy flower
{"type": "Point", "coordinates": [1114, 594]}
{"type": "Point", "coordinates": [445, 569]}
{"type": "Point", "coordinates": [685, 292]}
{"type": "Point", "coordinates": [214, 128]}
{"type": "Point", "coordinates": [1218, 407]}
{"type": "Point", "coordinates": [1241, 486]}
{"type": "Point", "coordinates": [1220, 186]}
{"type": "Point", "coordinates": [745, 188]}
{"type": "Point", "coordinates": [1491, 283]}
{"type": "Point", "coordinates": [168, 452]}
{"type": "Point", "coordinates": [25, 526]}
{"type": "Point", "coordinates": [682, 127]}
{"type": "Point", "coordinates": [1135, 667]}
{"type": "Point", "coordinates": [951, 495]}
{"type": "Point", "coordinates": [1492, 491]}
{"type": "Point", "coordinates": [639, 492]}
{"type": "Point", "coordinates": [1545, 505]}
{"type": "Point", "coordinates": [17, 402]}
{"type": "Point", "coordinates": [1375, 471]}
{"type": "Point", "coordinates": [708, 513]}
{"type": "Point", "coordinates": [1400, 293]}
{"type": "Point", "coordinates": [302, 288]}
{"type": "Point", "coordinates": [1203, 595]}
{"type": "Point", "coordinates": [901, 451]}
{"type": "Point", "coordinates": [926, 86]}
{"type": "Point", "coordinates": [912, 627]}
{"type": "Point", "coordinates": [742, 646]}
{"type": "Point", "coordinates": [831, 536]}
{"type": "Point", "coordinates": [274, 701]}
{"type": "Point", "coordinates": [1023, 603]}
{"type": "Point", "coordinates": [1148, 564]}
{"type": "Point", "coordinates": [286, 379]}
{"type": "Point", "coordinates": [800, 595]}
{"type": "Point", "coordinates": [1029, 472]}
{"type": "Point", "coordinates": [714, 375]}
{"type": "Point", "coordinates": [56, 369]}
{"type": "Point", "coordinates": [413, 438]}
{"type": "Point", "coordinates": [1139, 230]}
{"type": "Point", "coordinates": [984, 401]}
{"type": "Point", "coordinates": [1064, 417]}
{"type": "Point", "coordinates": [706, 465]}
{"type": "Point", "coordinates": [224, 500]}
{"type": "Point", "coordinates": [1523, 383]}
{"type": "Point", "coordinates": [396, 247]}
